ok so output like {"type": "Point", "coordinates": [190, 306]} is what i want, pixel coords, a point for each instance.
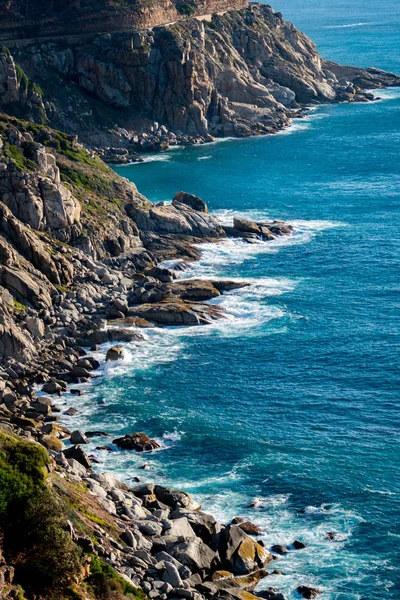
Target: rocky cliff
{"type": "Point", "coordinates": [80, 253]}
{"type": "Point", "coordinates": [240, 73]}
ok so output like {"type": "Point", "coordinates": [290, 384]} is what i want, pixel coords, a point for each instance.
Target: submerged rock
{"type": "Point", "coordinates": [308, 592]}
{"type": "Point", "coordinates": [115, 353]}
{"type": "Point", "coordinates": [137, 441]}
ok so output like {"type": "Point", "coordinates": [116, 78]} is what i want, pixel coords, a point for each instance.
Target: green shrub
{"type": "Point", "coordinates": [187, 8]}
{"type": "Point", "coordinates": [21, 474]}
{"type": "Point", "coordinates": [104, 580]}
{"type": "Point", "coordinates": [12, 151]}
{"type": "Point", "coordinates": [22, 77]}
{"type": "Point", "coordinates": [31, 518]}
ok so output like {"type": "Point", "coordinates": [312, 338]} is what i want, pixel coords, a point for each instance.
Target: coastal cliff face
{"type": "Point", "coordinates": [241, 73]}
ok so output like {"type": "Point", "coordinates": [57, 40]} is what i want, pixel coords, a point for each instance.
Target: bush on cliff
{"type": "Point", "coordinates": [45, 559]}
{"type": "Point", "coordinates": [108, 585]}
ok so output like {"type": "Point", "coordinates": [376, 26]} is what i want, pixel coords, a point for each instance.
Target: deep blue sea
{"type": "Point", "coordinates": [293, 400]}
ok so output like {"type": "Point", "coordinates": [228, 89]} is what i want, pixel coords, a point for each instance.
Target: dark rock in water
{"type": "Point", "coordinates": [90, 434]}
{"type": "Point", "coordinates": [308, 592]}
{"type": "Point", "coordinates": [115, 353]}
{"type": "Point", "coordinates": [106, 448]}
{"type": "Point", "coordinates": [76, 392]}
{"type": "Point", "coordinates": [267, 234]}
{"type": "Point", "coordinates": [198, 290]}
{"type": "Point", "coordinates": [137, 441]}
{"type": "Point", "coordinates": [191, 201]}
{"type": "Point", "coordinates": [78, 437]}
{"type": "Point", "coordinates": [94, 459]}
{"type": "Point", "coordinates": [176, 312]}
{"type": "Point", "coordinates": [237, 520]}
{"type": "Point", "coordinates": [70, 412]}
{"type": "Point", "coordinates": [297, 545]}
{"type": "Point", "coordinates": [331, 535]}
{"type": "Point", "coordinates": [94, 348]}
{"type": "Point", "coordinates": [246, 225]}
{"type": "Point", "coordinates": [277, 227]}
{"type": "Point", "coordinates": [279, 549]}
{"type": "Point", "coordinates": [79, 455]}
{"type": "Point", "coordinates": [250, 528]}
{"type": "Point", "coordinates": [226, 285]}
{"type": "Point", "coordinates": [271, 594]}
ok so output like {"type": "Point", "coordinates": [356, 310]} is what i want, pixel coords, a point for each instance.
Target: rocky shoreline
{"type": "Point", "coordinates": [81, 265]}
{"type": "Point", "coordinates": [165, 545]}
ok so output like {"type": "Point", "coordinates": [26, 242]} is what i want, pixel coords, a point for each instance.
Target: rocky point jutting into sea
{"type": "Point", "coordinates": [80, 255]}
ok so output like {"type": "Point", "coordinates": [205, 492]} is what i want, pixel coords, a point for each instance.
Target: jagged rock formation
{"type": "Point", "coordinates": [62, 210]}
{"type": "Point", "coordinates": [236, 74]}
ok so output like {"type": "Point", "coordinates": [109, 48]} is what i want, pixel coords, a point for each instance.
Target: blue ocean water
{"type": "Point", "coordinates": [292, 400]}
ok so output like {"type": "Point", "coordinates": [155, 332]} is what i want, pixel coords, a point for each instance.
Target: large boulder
{"type": "Point", "coordinates": [171, 220]}
{"type": "Point", "coordinates": [176, 312]}
{"type": "Point", "coordinates": [79, 455]}
{"type": "Point", "coordinates": [276, 227]}
{"type": "Point", "coordinates": [204, 526]}
{"type": "Point", "coordinates": [198, 290]}
{"type": "Point", "coordinates": [62, 210]}
{"type": "Point", "coordinates": [308, 592]}
{"type": "Point", "coordinates": [189, 200]}
{"type": "Point", "coordinates": [23, 285]}
{"type": "Point", "coordinates": [240, 553]}
{"type": "Point", "coordinates": [195, 554]}
{"type": "Point", "coordinates": [115, 353]}
{"type": "Point", "coordinates": [246, 225]}
{"type": "Point", "coordinates": [175, 499]}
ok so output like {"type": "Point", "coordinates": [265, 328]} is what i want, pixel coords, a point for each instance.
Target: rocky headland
{"type": "Point", "coordinates": [81, 253]}
{"type": "Point", "coordinates": [137, 87]}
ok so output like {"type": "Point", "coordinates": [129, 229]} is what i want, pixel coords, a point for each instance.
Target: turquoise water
{"type": "Point", "coordinates": [293, 400]}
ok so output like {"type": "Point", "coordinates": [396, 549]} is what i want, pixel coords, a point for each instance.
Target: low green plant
{"type": "Point", "coordinates": [104, 580]}
{"type": "Point", "coordinates": [22, 77]}
{"type": "Point", "coordinates": [20, 160]}
{"type": "Point", "coordinates": [186, 8]}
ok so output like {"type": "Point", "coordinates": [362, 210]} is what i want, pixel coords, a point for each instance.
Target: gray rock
{"type": "Point", "coordinates": [78, 437]}
{"type": "Point", "coordinates": [171, 575]}
{"type": "Point", "coordinates": [194, 554]}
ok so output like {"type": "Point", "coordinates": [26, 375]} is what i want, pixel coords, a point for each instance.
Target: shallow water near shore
{"type": "Point", "coordinates": [293, 399]}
